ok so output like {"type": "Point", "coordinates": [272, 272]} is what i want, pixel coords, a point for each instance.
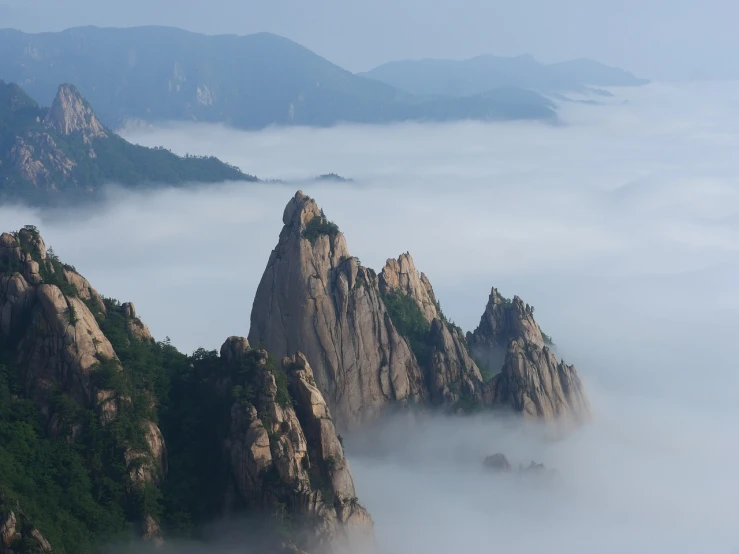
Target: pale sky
{"type": "Point", "coordinates": [661, 39]}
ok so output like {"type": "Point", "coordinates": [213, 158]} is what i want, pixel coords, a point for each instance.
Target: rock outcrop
{"type": "Point", "coordinates": [70, 113]}
{"type": "Point", "coordinates": [401, 276]}
{"type": "Point", "coordinates": [283, 450]}
{"type": "Point", "coordinates": [35, 156]}
{"type": "Point", "coordinates": [502, 321]}
{"type": "Point", "coordinates": [135, 326]}
{"type": "Point", "coordinates": [17, 535]}
{"type": "Point", "coordinates": [314, 297]}
{"type": "Point", "coordinates": [528, 377]}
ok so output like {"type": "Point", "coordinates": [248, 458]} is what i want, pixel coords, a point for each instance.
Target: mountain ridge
{"type": "Point", "coordinates": [448, 77]}
{"type": "Point", "coordinates": [250, 81]}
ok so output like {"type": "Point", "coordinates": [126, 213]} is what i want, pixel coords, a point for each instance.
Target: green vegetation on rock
{"type": "Point", "coordinates": [318, 226]}
{"type": "Point", "coordinates": [409, 321]}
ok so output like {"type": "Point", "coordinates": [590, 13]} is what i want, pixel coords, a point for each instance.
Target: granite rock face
{"type": "Point", "coordinates": [315, 298]}
{"type": "Point", "coordinates": [37, 158]}
{"type": "Point", "coordinates": [70, 113]}
{"type": "Point", "coordinates": [402, 276]}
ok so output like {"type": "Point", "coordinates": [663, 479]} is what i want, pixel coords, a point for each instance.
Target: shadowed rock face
{"type": "Point", "coordinates": [289, 454]}
{"type": "Point", "coordinates": [315, 298]}
{"type": "Point", "coordinates": [529, 380]}
{"type": "Point", "coordinates": [534, 383]}
{"type": "Point", "coordinates": [502, 321]}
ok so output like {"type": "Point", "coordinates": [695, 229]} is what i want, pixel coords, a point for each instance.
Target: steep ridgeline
{"type": "Point", "coordinates": [107, 435]}
{"type": "Point", "coordinates": [382, 341]}
{"type": "Point", "coordinates": [66, 150]}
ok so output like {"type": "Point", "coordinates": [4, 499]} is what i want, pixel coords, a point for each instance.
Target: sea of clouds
{"type": "Point", "coordinates": [620, 226]}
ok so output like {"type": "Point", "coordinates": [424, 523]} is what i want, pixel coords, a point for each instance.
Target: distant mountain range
{"type": "Point", "coordinates": [162, 73]}
{"type": "Point", "coordinates": [47, 153]}
{"type": "Point", "coordinates": [482, 73]}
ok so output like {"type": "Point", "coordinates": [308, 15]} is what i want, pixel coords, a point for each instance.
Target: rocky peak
{"type": "Point", "coordinates": [70, 113]}
{"type": "Point", "coordinates": [402, 276]}
{"type": "Point", "coordinates": [504, 320]}
{"type": "Point", "coordinates": [315, 298]}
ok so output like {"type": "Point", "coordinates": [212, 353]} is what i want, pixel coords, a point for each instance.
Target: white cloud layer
{"type": "Point", "coordinates": [621, 227]}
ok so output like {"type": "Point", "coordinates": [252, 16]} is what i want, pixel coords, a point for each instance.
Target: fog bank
{"type": "Point", "coordinates": [621, 228]}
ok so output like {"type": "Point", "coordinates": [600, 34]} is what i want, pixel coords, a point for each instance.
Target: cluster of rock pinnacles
{"type": "Point", "coordinates": [320, 312]}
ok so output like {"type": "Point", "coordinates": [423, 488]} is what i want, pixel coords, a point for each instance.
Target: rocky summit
{"type": "Point", "coordinates": [382, 341]}
{"type": "Point", "coordinates": [316, 298]}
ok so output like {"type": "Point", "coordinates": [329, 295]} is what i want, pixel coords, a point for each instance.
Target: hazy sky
{"type": "Point", "coordinates": [654, 38]}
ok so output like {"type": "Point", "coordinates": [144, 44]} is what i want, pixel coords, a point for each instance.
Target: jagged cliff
{"type": "Point", "coordinates": [316, 298]}
{"type": "Point", "coordinates": [359, 328]}
{"type": "Point", "coordinates": [141, 435]}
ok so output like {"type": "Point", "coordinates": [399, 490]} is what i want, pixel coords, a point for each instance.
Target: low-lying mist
{"type": "Point", "coordinates": [621, 228]}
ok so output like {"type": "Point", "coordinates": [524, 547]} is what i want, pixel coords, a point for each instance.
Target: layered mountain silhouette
{"type": "Point", "coordinates": [162, 73]}
{"type": "Point", "coordinates": [482, 73]}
